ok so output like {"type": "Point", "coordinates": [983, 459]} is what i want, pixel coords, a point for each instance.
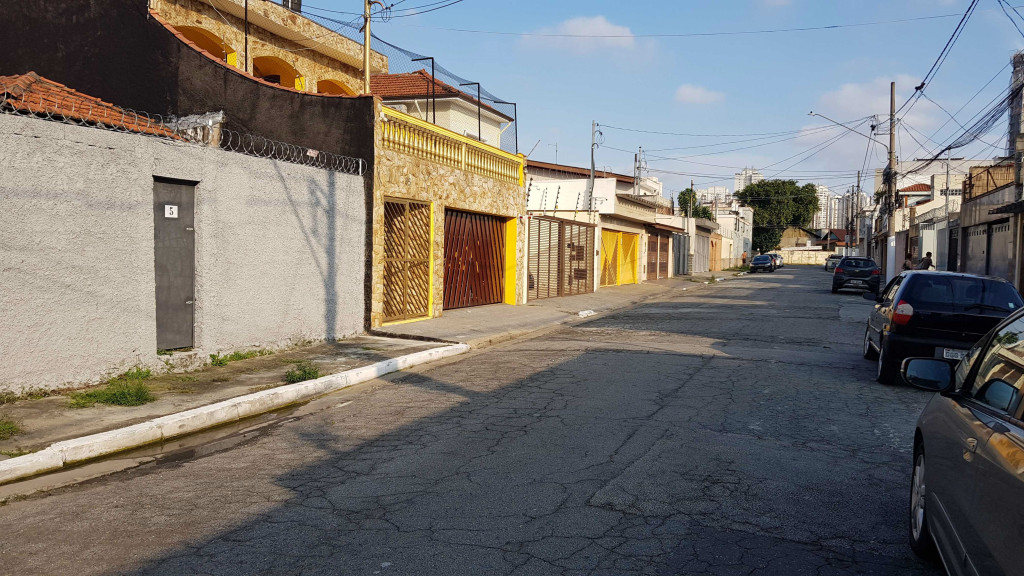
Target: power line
{"type": "Point", "coordinates": [696, 34]}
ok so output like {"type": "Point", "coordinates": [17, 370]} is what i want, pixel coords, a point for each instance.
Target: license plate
{"type": "Point", "coordinates": [954, 354]}
{"type": "Point", "coordinates": [857, 282]}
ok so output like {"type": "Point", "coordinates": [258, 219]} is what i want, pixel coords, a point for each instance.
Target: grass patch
{"type": "Point", "coordinates": [14, 453]}
{"type": "Point", "coordinates": [7, 397]}
{"type": "Point", "coordinates": [219, 360]}
{"type": "Point", "coordinates": [128, 389]}
{"type": "Point", "coordinates": [302, 371]}
{"type": "Point", "coordinates": [8, 428]}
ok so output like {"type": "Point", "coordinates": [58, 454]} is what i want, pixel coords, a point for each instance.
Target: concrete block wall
{"type": "Point", "coordinates": [279, 251]}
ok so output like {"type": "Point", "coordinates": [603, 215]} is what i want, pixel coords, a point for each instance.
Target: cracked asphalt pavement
{"type": "Point", "coordinates": [735, 430]}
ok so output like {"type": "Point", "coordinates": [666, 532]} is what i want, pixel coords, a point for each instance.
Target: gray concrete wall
{"type": "Point", "coordinates": [279, 251]}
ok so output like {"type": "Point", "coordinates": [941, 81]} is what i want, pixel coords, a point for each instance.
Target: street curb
{"type": "Point", "coordinates": [67, 452]}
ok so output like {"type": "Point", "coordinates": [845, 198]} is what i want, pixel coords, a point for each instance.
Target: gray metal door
{"type": "Point", "coordinates": [174, 246]}
{"type": "Point", "coordinates": [702, 254]}
{"type": "Point", "coordinates": [681, 243]}
{"type": "Point", "coordinates": [999, 250]}
{"type": "Point", "coordinates": [977, 246]}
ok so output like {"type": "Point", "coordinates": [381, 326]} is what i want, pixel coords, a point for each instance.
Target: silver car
{"type": "Point", "coordinates": [967, 483]}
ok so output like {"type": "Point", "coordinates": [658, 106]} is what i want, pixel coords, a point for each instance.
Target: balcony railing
{"type": "Point", "coordinates": [984, 179]}
{"type": "Point", "coordinates": [409, 135]}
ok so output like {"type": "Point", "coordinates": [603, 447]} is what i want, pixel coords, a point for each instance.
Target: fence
{"type": "Point", "coordinates": [404, 133]}
{"type": "Point", "coordinates": [30, 95]}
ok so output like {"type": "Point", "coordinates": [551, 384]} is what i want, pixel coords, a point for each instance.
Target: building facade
{"type": "Point", "coordinates": [745, 178]}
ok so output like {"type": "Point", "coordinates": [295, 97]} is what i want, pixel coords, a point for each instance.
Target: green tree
{"type": "Point", "coordinates": [778, 204]}
{"type": "Point", "coordinates": [688, 198]}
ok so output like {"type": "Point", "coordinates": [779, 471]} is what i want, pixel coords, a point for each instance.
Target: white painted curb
{"type": "Point", "coordinates": [60, 454]}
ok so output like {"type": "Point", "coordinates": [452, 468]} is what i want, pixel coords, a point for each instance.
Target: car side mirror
{"type": "Point", "coordinates": [932, 374]}
{"type": "Point", "coordinates": [872, 296]}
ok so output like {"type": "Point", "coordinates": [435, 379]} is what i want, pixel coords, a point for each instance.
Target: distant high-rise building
{"type": "Point", "coordinates": [712, 193]}
{"type": "Point", "coordinates": [745, 178]}
{"type": "Point", "coordinates": [823, 217]}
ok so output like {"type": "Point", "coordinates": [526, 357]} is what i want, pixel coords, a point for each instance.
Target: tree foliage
{"type": "Point", "coordinates": [778, 204]}
{"type": "Point", "coordinates": [688, 198]}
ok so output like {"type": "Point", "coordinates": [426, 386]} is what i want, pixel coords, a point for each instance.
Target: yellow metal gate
{"type": "Point", "coordinates": [406, 260]}
{"type": "Point", "coordinates": [619, 255]}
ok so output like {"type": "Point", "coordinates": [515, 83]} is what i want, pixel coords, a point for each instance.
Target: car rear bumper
{"type": "Point", "coordinates": [760, 268]}
{"type": "Point", "coordinates": [900, 346]}
{"type": "Point", "coordinates": [873, 284]}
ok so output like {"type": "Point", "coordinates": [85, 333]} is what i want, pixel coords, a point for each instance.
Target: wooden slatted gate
{"type": "Point", "coordinates": [474, 259]}
{"type": "Point", "coordinates": [561, 258]}
{"type": "Point", "coordinates": [663, 256]}
{"type": "Point", "coordinates": [406, 260]}
{"type": "Point", "coordinates": [652, 257]}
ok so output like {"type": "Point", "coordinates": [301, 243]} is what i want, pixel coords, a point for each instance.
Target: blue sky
{"type": "Point", "coordinates": [727, 84]}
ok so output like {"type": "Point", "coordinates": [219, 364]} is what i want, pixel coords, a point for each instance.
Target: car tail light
{"type": "Point", "coordinates": [903, 313]}
{"type": "Point", "coordinates": [876, 272]}
{"type": "Point", "coordinates": [839, 270]}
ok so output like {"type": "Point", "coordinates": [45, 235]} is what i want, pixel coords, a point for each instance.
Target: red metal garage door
{"type": "Point", "coordinates": [474, 259]}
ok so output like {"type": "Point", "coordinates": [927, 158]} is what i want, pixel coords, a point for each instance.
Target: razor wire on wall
{"type": "Point", "coordinates": [201, 130]}
{"type": "Point", "coordinates": [401, 61]}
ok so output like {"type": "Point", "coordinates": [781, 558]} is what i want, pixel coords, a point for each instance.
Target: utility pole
{"type": "Point", "coordinates": [593, 146]}
{"type": "Point", "coordinates": [856, 234]}
{"type": "Point", "coordinates": [693, 194]}
{"type": "Point", "coordinates": [246, 8]}
{"type": "Point", "coordinates": [890, 240]}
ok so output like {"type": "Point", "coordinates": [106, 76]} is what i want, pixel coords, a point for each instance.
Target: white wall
{"type": "Point", "coordinates": [280, 251]}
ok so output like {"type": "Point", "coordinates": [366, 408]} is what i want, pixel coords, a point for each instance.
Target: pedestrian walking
{"type": "Point", "coordinates": [926, 262]}
{"type": "Point", "coordinates": [908, 263]}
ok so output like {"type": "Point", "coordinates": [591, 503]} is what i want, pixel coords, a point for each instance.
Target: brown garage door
{"type": "Point", "coordinates": [561, 258]}
{"type": "Point", "coordinates": [474, 259]}
{"type": "Point", "coordinates": [663, 256]}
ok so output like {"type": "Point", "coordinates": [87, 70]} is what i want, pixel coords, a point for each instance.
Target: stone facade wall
{"type": "Point", "coordinates": [399, 175]}
{"type": "Point", "coordinates": [311, 64]}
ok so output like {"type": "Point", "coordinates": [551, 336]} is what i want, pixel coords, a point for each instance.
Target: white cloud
{"type": "Point", "coordinates": [586, 35]}
{"type": "Point", "coordinates": [690, 94]}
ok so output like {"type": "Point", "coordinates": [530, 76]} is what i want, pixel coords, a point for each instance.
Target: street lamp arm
{"type": "Point", "coordinates": [840, 124]}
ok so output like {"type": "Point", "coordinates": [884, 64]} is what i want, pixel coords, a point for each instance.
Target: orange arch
{"type": "Point", "coordinates": [210, 43]}
{"type": "Point", "coordinates": [276, 70]}
{"type": "Point", "coordinates": [333, 87]}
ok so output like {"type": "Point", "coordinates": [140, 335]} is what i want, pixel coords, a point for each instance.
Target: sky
{"type": "Point", "coordinates": [730, 100]}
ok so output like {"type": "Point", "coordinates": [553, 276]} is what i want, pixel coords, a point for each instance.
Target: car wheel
{"type": "Point", "coordinates": [884, 374]}
{"type": "Point", "coordinates": [869, 351]}
{"type": "Point", "coordinates": [835, 290]}
{"type": "Point", "coordinates": [920, 539]}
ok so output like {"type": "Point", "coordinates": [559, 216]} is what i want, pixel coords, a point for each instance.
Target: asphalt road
{"type": "Point", "coordinates": [738, 431]}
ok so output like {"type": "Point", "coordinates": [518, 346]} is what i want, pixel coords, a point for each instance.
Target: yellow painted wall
{"type": "Point", "coordinates": [511, 264]}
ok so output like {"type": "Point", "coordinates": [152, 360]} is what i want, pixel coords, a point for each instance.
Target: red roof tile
{"type": "Point", "coordinates": [917, 188]}
{"type": "Point", "coordinates": [32, 94]}
{"type": "Point", "coordinates": [416, 85]}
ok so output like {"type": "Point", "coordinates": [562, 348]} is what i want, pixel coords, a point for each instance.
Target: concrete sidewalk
{"type": "Point", "coordinates": [484, 325]}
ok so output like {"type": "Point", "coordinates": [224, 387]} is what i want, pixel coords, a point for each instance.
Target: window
{"type": "Point", "coordinates": [1000, 376]}
{"type": "Point", "coordinates": [890, 290]}
{"type": "Point", "coordinates": [962, 294]}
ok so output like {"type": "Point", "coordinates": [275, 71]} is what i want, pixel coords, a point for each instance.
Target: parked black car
{"type": "Point", "coordinates": [762, 263]}
{"type": "Point", "coordinates": [934, 314]}
{"type": "Point", "coordinates": [967, 485]}
{"type": "Point", "coordinates": [857, 272]}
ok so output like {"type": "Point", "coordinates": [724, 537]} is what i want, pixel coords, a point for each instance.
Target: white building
{"type": "Point", "coordinates": [714, 194]}
{"type": "Point", "coordinates": [745, 178]}
{"type": "Point", "coordinates": [822, 218]}
{"type": "Point", "coordinates": [736, 226]}
{"type": "Point", "coordinates": [933, 175]}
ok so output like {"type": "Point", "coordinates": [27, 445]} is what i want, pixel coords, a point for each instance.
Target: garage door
{"type": "Point", "coordinates": [474, 259]}
{"type": "Point", "coordinates": [561, 258]}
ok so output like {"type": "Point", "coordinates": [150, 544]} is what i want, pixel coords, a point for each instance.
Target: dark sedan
{"type": "Point", "coordinates": [934, 314]}
{"type": "Point", "coordinates": [856, 272]}
{"type": "Point", "coordinates": [967, 480]}
{"type": "Point", "coordinates": [762, 263]}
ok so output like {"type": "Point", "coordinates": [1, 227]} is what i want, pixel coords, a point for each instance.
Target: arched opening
{"type": "Point", "coordinates": [277, 71]}
{"type": "Point", "coordinates": [210, 43]}
{"type": "Point", "coordinates": [333, 87]}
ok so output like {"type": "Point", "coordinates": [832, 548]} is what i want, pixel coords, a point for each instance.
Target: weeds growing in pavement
{"type": "Point", "coordinates": [8, 428]}
{"type": "Point", "coordinates": [127, 389]}
{"type": "Point", "coordinates": [302, 371]}
{"type": "Point", "coordinates": [219, 360]}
